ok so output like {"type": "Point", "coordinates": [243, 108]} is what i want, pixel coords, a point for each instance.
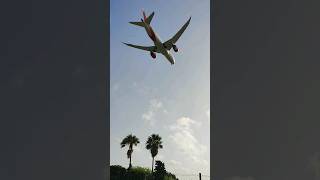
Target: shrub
{"type": "Point", "coordinates": [168, 177]}
{"type": "Point", "coordinates": [137, 173]}
{"type": "Point", "coordinates": [117, 172]}
{"type": "Point", "coordinates": [140, 170]}
{"type": "Point", "coordinates": [171, 176]}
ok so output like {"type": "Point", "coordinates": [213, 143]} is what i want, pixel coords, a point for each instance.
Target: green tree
{"type": "Point", "coordinates": [130, 140]}
{"type": "Point", "coordinates": [153, 144]}
{"type": "Point", "coordinates": [159, 170]}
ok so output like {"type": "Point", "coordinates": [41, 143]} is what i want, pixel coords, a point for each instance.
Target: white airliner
{"type": "Point", "coordinates": [159, 46]}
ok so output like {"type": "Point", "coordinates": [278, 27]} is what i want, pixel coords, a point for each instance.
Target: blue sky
{"type": "Point", "coordinates": [151, 96]}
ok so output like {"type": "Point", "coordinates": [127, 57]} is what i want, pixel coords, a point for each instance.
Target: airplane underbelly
{"type": "Point", "coordinates": [159, 45]}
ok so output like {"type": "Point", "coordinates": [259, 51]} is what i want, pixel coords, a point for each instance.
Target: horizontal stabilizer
{"type": "Point", "coordinates": [138, 23]}
{"type": "Point", "coordinates": [149, 19]}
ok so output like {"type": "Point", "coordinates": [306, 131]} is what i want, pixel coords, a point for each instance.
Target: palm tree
{"type": "Point", "coordinates": [130, 140]}
{"type": "Point", "coordinates": [153, 144]}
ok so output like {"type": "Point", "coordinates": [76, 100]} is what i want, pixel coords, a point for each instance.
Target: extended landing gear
{"type": "Point", "coordinates": [175, 48]}
{"type": "Point", "coordinates": [153, 55]}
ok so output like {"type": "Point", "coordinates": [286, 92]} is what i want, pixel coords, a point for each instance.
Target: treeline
{"type": "Point", "coordinates": [140, 173]}
{"type": "Point", "coordinates": [153, 144]}
{"type": "Point", "coordinates": [157, 172]}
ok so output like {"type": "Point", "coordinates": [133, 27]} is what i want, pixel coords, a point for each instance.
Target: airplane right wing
{"type": "Point", "coordinates": [168, 44]}
{"type": "Point", "coordinates": [146, 48]}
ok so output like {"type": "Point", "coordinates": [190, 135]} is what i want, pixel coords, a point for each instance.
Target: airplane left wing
{"type": "Point", "coordinates": [168, 44]}
{"type": "Point", "coordinates": [146, 48]}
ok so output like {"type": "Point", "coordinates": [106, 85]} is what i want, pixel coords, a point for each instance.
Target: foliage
{"type": "Point", "coordinates": [160, 170]}
{"type": "Point", "coordinates": [117, 171]}
{"type": "Point", "coordinates": [129, 140]}
{"type": "Point", "coordinates": [140, 170]}
{"type": "Point", "coordinates": [139, 173]}
{"type": "Point", "coordinates": [135, 173]}
{"type": "Point", "coordinates": [168, 177]}
{"type": "Point", "coordinates": [153, 144]}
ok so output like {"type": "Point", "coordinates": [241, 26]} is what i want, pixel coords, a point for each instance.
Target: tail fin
{"type": "Point", "coordinates": [144, 15]}
{"type": "Point", "coordinates": [144, 20]}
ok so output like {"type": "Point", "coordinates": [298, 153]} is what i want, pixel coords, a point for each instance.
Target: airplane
{"type": "Point", "coordinates": [159, 46]}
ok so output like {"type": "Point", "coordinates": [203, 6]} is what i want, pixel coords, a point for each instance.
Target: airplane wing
{"type": "Point", "coordinates": [168, 44]}
{"type": "Point", "coordinates": [146, 48]}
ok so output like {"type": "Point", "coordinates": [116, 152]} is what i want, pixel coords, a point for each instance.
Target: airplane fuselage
{"type": "Point", "coordinates": [158, 43]}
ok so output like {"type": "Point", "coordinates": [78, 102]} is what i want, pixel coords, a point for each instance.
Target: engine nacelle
{"type": "Point", "coordinates": [175, 48]}
{"type": "Point", "coordinates": [153, 54]}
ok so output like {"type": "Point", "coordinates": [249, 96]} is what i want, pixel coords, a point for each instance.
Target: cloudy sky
{"type": "Point", "coordinates": [151, 96]}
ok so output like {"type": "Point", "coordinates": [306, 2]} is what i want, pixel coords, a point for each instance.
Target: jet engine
{"type": "Point", "coordinates": [175, 48]}
{"type": "Point", "coordinates": [153, 54]}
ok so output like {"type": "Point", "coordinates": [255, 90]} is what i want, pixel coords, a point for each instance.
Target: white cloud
{"type": "Point", "coordinates": [177, 167]}
{"type": "Point", "coordinates": [184, 139]}
{"type": "Point", "coordinates": [149, 117]}
{"type": "Point", "coordinates": [155, 106]}
{"type": "Point", "coordinates": [184, 123]}
{"type": "Point", "coordinates": [142, 89]}
{"type": "Point", "coordinates": [174, 163]}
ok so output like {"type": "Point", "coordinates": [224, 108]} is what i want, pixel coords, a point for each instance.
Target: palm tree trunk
{"type": "Point", "coordinates": [152, 164]}
{"type": "Point", "coordinates": [130, 163]}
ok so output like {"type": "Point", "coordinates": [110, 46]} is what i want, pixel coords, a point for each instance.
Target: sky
{"type": "Point", "coordinates": [152, 96]}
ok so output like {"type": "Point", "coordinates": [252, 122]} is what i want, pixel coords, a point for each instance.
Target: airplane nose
{"type": "Point", "coordinates": [172, 59]}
